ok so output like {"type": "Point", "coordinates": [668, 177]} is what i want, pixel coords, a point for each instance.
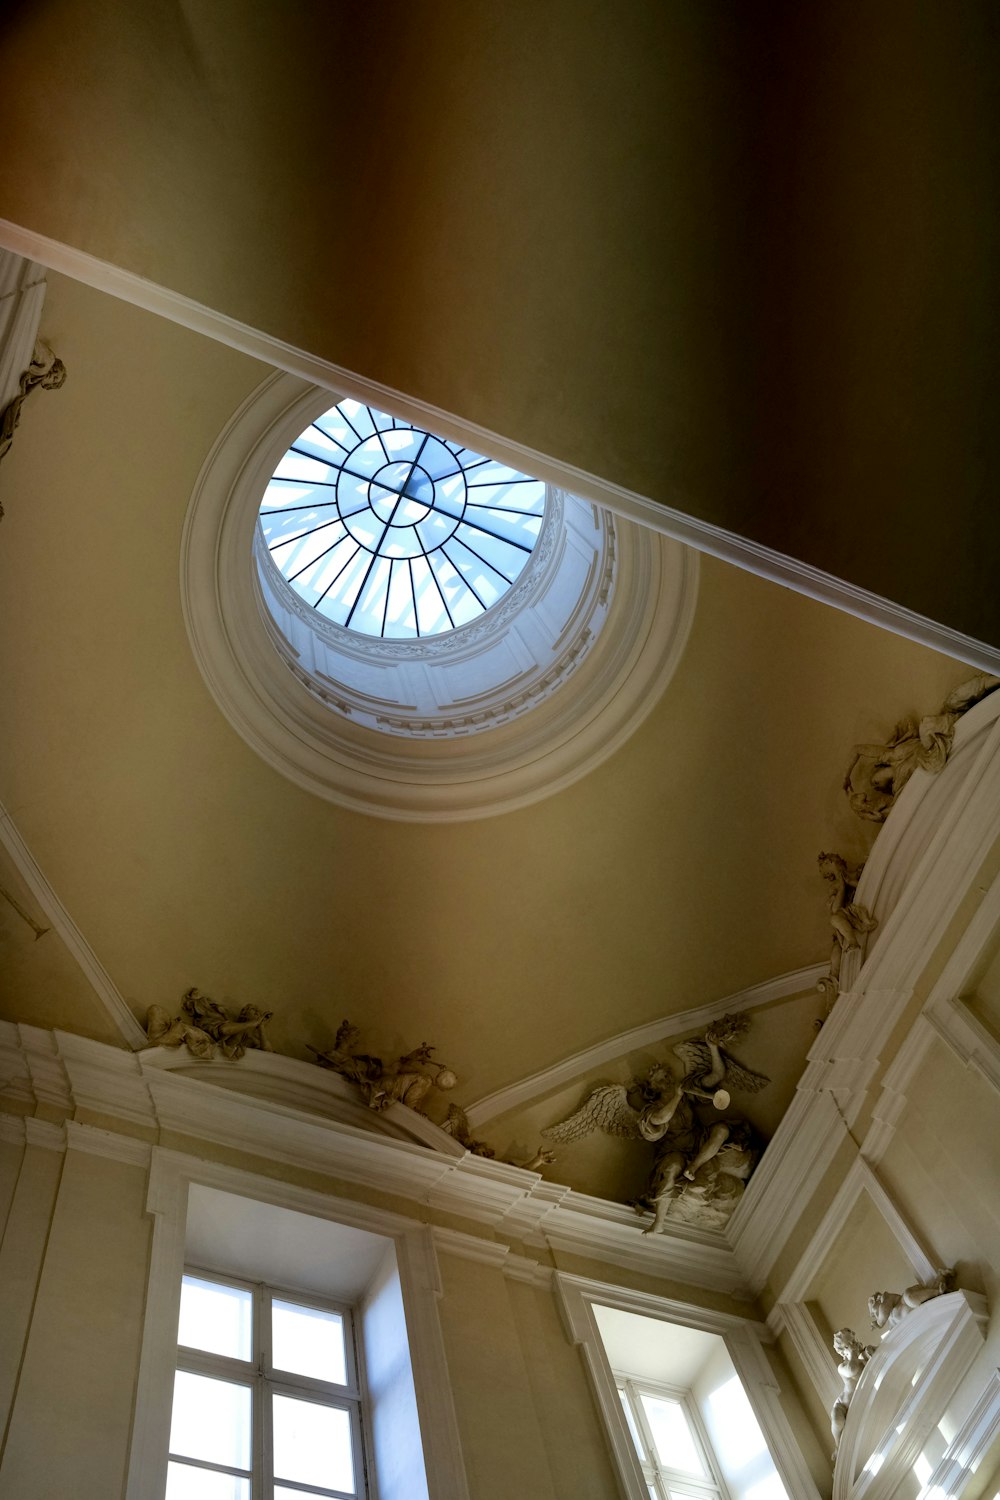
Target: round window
{"type": "Point", "coordinates": [390, 531]}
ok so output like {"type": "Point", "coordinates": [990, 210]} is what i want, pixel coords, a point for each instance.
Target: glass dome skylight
{"type": "Point", "coordinates": [391, 531]}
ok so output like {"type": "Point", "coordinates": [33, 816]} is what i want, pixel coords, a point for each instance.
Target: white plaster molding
{"type": "Point", "coordinates": [470, 1247]}
{"type": "Point", "coordinates": [22, 292]}
{"type": "Point", "coordinates": [808, 1138]}
{"type": "Point", "coordinates": [44, 1133]}
{"type": "Point", "coordinates": [94, 971]}
{"type": "Point", "coordinates": [171, 1175]}
{"type": "Point", "coordinates": [903, 1392]}
{"type": "Point", "coordinates": [795, 1320]}
{"type": "Point", "coordinates": [967, 1449]}
{"type": "Point", "coordinates": [576, 1296]}
{"type": "Point", "coordinates": [669, 520]}
{"type": "Point", "coordinates": [891, 1102]}
{"type": "Point", "coordinates": [108, 1143]}
{"type": "Point", "coordinates": [517, 1095]}
{"type": "Point", "coordinates": [860, 1179]}
{"type": "Point", "coordinates": [313, 732]}
{"type": "Point", "coordinates": [967, 1037]}
{"type": "Point", "coordinates": [764, 1394]}
{"type": "Point", "coordinates": [12, 1129]}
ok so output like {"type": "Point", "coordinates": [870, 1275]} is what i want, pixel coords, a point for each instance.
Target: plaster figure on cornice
{"type": "Point", "coordinates": [204, 1025]}
{"type": "Point", "coordinates": [700, 1165]}
{"type": "Point", "coordinates": [878, 773]}
{"type": "Point", "coordinates": [848, 918]}
{"type": "Point", "coordinates": [888, 1309]}
{"type": "Point", "coordinates": [45, 372]}
{"type": "Point", "coordinates": [852, 1356]}
{"type": "Point", "coordinates": [408, 1080]}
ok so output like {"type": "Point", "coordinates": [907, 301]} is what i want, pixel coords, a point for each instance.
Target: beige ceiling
{"type": "Point", "coordinates": [739, 259]}
{"type": "Point", "coordinates": [681, 871]}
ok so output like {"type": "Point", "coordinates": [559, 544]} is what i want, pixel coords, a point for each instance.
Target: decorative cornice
{"type": "Point", "coordinates": [518, 1095]}
{"type": "Point", "coordinates": [94, 971]}
{"type": "Point", "coordinates": [659, 516]}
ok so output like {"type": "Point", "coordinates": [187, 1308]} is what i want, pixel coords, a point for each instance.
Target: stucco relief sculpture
{"type": "Point", "coordinates": [408, 1080]}
{"type": "Point", "coordinates": [849, 920]}
{"type": "Point", "coordinates": [701, 1162]}
{"type": "Point", "coordinates": [45, 371]}
{"type": "Point", "coordinates": [852, 1356]}
{"type": "Point", "coordinates": [204, 1026]}
{"type": "Point", "coordinates": [878, 773]}
{"type": "Point", "coordinates": [888, 1309]}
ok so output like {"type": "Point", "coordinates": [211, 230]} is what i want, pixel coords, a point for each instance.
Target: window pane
{"type": "Point", "coordinates": [211, 1420]}
{"type": "Point", "coordinates": [308, 1341]}
{"type": "Point", "coordinates": [671, 1434]}
{"type": "Point", "coordinates": [312, 1444]}
{"type": "Point", "coordinates": [186, 1483]}
{"type": "Point", "coordinates": [640, 1446]}
{"type": "Point", "coordinates": [216, 1318]}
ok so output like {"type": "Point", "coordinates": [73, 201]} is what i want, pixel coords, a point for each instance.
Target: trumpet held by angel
{"type": "Point", "coordinates": [709, 1161]}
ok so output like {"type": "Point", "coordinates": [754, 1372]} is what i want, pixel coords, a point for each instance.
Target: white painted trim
{"type": "Point", "coordinates": [171, 1176]}
{"type": "Point", "coordinates": [94, 971]}
{"type": "Point", "coordinates": [816, 1355]}
{"type": "Point", "coordinates": [683, 527]}
{"type": "Point", "coordinates": [903, 1392]}
{"type": "Point", "coordinates": [743, 1337]}
{"type": "Point", "coordinates": [968, 1038]}
{"type": "Point", "coordinates": [860, 1179]}
{"type": "Point", "coordinates": [968, 1447]}
{"type": "Point", "coordinates": [108, 1143]}
{"type": "Point", "coordinates": [517, 1095]}
{"type": "Point", "coordinates": [319, 740]}
{"type": "Point", "coordinates": [74, 1072]}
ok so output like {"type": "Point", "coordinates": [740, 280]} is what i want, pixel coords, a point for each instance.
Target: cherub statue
{"type": "Point", "coordinates": [456, 1124]}
{"type": "Point", "coordinates": [888, 1309]}
{"type": "Point", "coordinates": [408, 1082]}
{"type": "Point", "coordinates": [665, 1116]}
{"type": "Point", "coordinates": [853, 1355]}
{"type": "Point", "coordinates": [203, 1025]}
{"type": "Point", "coordinates": [848, 918]}
{"type": "Point", "coordinates": [164, 1030]}
{"type": "Point", "coordinates": [878, 773]}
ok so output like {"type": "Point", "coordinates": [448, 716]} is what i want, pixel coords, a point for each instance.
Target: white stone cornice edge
{"type": "Point", "coordinates": [516, 1095]}
{"type": "Point", "coordinates": [672, 522]}
{"type": "Point", "coordinates": [969, 1446]}
{"type": "Point", "coordinates": [80, 1073]}
{"type": "Point", "coordinates": [94, 971]}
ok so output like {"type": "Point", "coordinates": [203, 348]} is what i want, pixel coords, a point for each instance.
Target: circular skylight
{"type": "Point", "coordinates": [390, 531]}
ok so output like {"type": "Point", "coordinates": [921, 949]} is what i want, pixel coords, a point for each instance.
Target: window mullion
{"type": "Point", "coordinates": [263, 1476]}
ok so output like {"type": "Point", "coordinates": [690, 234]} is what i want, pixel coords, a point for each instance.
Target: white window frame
{"type": "Point", "coordinates": [171, 1175]}
{"type": "Point", "coordinates": [264, 1379]}
{"type": "Point", "coordinates": [658, 1475]}
{"type": "Point", "coordinates": [744, 1339]}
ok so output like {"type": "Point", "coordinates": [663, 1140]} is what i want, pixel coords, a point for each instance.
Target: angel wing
{"type": "Point", "coordinates": [694, 1055]}
{"type": "Point", "coordinates": [606, 1109]}
{"type": "Point", "coordinates": [743, 1080]}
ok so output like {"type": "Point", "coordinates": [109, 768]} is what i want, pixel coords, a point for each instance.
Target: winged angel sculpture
{"type": "Point", "coordinates": [701, 1164]}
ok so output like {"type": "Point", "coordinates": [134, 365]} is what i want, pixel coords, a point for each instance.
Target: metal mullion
{"type": "Point", "coordinates": [319, 1489]}
{"type": "Point", "coordinates": [216, 1366]}
{"type": "Point", "coordinates": [261, 1482]}
{"type": "Point", "coordinates": [204, 1463]}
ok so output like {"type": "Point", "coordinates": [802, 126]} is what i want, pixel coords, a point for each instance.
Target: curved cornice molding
{"type": "Point", "coordinates": [518, 1095]}
{"type": "Point", "coordinates": [658, 515]}
{"type": "Point", "coordinates": [594, 693]}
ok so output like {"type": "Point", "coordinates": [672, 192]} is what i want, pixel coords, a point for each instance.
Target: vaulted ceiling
{"type": "Point", "coordinates": [680, 871]}
{"type": "Point", "coordinates": [739, 263]}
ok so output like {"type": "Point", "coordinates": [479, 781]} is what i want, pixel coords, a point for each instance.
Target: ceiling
{"type": "Point", "coordinates": [739, 260]}
{"type": "Point", "coordinates": [679, 872]}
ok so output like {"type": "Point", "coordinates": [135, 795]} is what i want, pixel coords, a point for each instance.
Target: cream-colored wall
{"type": "Point", "coordinates": [739, 263]}
{"type": "Point", "coordinates": [79, 1237]}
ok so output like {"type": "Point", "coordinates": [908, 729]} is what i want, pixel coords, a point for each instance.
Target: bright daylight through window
{"type": "Point", "coordinates": [267, 1398]}
{"type": "Point", "coordinates": [390, 531]}
{"type": "Point", "coordinates": [674, 1452]}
